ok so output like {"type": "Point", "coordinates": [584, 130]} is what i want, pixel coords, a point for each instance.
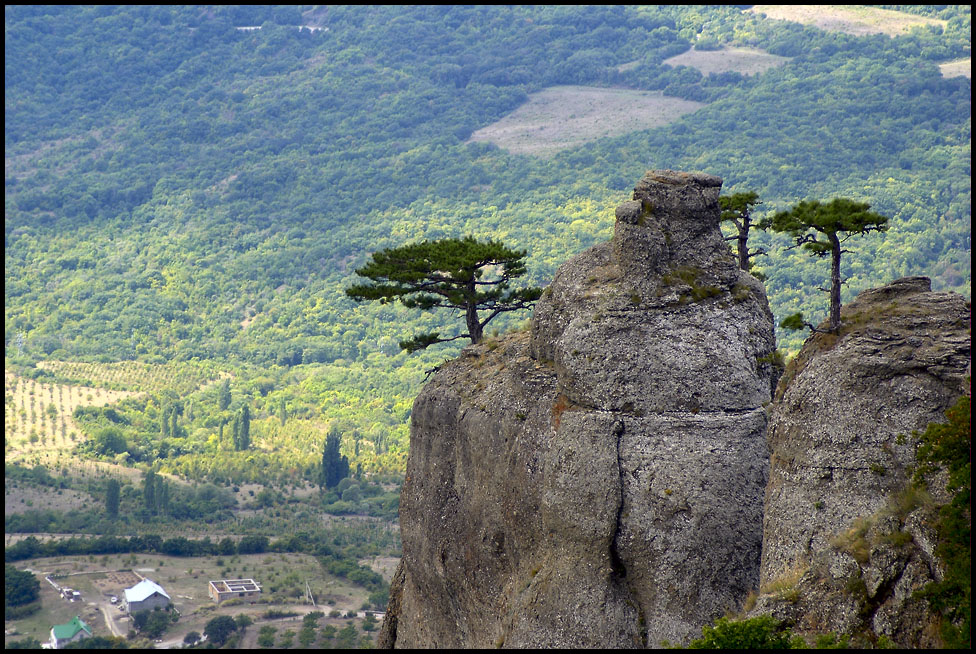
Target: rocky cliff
{"type": "Point", "coordinates": [604, 479]}
{"type": "Point", "coordinates": [597, 481]}
{"type": "Point", "coordinates": [846, 541]}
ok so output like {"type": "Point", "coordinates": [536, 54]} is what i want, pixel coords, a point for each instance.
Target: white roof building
{"type": "Point", "coordinates": [145, 595]}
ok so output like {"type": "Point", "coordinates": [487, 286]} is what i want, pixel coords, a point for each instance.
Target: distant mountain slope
{"type": "Point", "coordinates": [178, 188]}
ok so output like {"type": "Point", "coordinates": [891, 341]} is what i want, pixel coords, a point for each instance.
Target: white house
{"type": "Point", "coordinates": [145, 596]}
{"type": "Point", "coordinates": [62, 634]}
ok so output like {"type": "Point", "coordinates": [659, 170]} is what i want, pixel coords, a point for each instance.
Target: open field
{"type": "Point", "coordinates": [38, 424]}
{"type": "Point", "coordinates": [962, 68]}
{"type": "Point", "coordinates": [563, 117]}
{"type": "Point", "coordinates": [747, 61]}
{"type": "Point", "coordinates": [851, 19]}
{"type": "Point", "coordinates": [185, 580]}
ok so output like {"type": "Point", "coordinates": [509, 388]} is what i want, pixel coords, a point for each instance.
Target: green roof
{"type": "Point", "coordinates": [66, 631]}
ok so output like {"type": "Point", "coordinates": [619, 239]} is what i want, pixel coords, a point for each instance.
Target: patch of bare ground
{"type": "Point", "coordinates": [747, 61]}
{"type": "Point", "coordinates": [962, 68]}
{"type": "Point", "coordinates": [850, 19]}
{"type": "Point", "coordinates": [22, 497]}
{"type": "Point", "coordinates": [563, 117]}
{"type": "Point", "coordinates": [38, 417]}
{"type": "Point", "coordinates": [98, 142]}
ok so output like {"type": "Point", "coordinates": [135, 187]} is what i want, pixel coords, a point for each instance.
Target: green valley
{"type": "Point", "coordinates": [189, 190]}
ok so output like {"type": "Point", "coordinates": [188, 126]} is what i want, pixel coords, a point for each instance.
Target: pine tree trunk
{"type": "Point", "coordinates": [834, 282]}
{"type": "Point", "coordinates": [743, 244]}
{"type": "Point", "coordinates": [471, 312]}
{"type": "Point", "coordinates": [474, 325]}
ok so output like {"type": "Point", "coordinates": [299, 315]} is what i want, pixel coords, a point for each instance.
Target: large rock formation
{"type": "Point", "coordinates": [597, 482]}
{"type": "Point", "coordinates": [846, 542]}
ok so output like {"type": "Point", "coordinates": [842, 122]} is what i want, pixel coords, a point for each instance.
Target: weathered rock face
{"type": "Point", "coordinates": [597, 482]}
{"type": "Point", "coordinates": [845, 544]}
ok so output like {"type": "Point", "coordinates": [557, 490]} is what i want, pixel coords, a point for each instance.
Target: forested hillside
{"type": "Point", "coordinates": [180, 188]}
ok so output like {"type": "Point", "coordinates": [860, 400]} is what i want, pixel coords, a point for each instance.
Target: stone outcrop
{"type": "Point", "coordinates": [597, 481]}
{"type": "Point", "coordinates": [845, 541]}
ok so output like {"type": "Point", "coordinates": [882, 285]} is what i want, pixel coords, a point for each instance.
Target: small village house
{"type": "Point", "coordinates": [62, 634]}
{"type": "Point", "coordinates": [145, 596]}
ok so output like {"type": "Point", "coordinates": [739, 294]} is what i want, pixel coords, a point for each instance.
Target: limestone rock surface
{"type": "Point", "coordinates": [597, 481]}
{"type": "Point", "coordinates": [845, 543]}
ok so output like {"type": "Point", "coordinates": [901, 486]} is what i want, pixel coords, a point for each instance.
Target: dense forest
{"type": "Point", "coordinates": [180, 189]}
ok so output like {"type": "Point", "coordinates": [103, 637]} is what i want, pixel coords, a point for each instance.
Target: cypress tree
{"type": "Point", "coordinates": [335, 466]}
{"type": "Point", "coordinates": [245, 430]}
{"type": "Point", "coordinates": [112, 491]}
{"type": "Point", "coordinates": [149, 491]}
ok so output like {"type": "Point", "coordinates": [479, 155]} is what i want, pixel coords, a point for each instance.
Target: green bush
{"type": "Point", "coordinates": [949, 446]}
{"type": "Point", "coordinates": [763, 632]}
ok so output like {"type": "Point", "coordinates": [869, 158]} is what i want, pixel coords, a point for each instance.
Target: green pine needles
{"type": "Point", "coordinates": [465, 275]}
{"type": "Point", "coordinates": [821, 228]}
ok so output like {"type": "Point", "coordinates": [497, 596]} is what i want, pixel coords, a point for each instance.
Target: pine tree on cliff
{"type": "Point", "coordinates": [465, 275]}
{"type": "Point", "coordinates": [821, 229]}
{"type": "Point", "coordinates": [737, 209]}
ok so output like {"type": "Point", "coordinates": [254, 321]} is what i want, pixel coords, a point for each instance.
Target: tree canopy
{"type": "Point", "coordinates": [821, 228]}
{"type": "Point", "coordinates": [466, 275]}
{"type": "Point", "coordinates": [948, 447]}
{"type": "Point", "coordinates": [20, 587]}
{"type": "Point", "coordinates": [219, 629]}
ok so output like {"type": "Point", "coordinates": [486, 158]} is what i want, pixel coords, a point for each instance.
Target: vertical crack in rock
{"type": "Point", "coordinates": [617, 563]}
{"type": "Point", "coordinates": [619, 569]}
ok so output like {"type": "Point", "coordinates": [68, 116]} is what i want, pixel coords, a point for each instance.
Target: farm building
{"type": "Point", "coordinates": [145, 596]}
{"type": "Point", "coordinates": [225, 589]}
{"type": "Point", "coordinates": [62, 634]}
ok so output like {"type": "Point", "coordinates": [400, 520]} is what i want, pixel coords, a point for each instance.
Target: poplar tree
{"type": "Point", "coordinates": [464, 275]}
{"type": "Point", "coordinates": [821, 229]}
{"type": "Point", "coordinates": [223, 395]}
{"type": "Point", "coordinates": [112, 492]}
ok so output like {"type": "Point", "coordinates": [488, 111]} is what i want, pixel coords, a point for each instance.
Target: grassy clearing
{"type": "Point", "coordinates": [962, 68]}
{"type": "Point", "coordinates": [282, 577]}
{"type": "Point", "coordinates": [563, 117]}
{"type": "Point", "coordinates": [21, 497]}
{"type": "Point", "coordinates": [850, 19]}
{"type": "Point", "coordinates": [747, 61]}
